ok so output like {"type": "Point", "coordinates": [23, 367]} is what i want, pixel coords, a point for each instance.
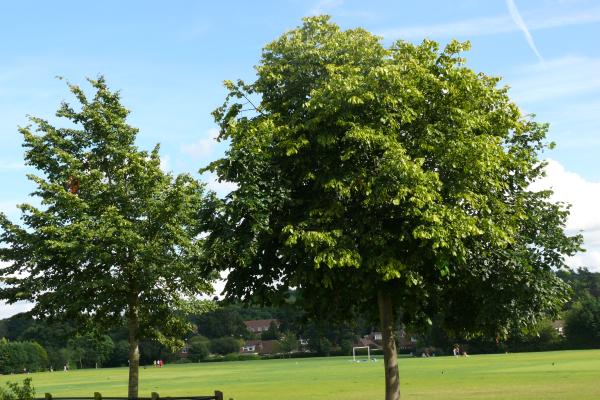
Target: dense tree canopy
{"type": "Point", "coordinates": [114, 236]}
{"type": "Point", "coordinates": [219, 323]}
{"type": "Point", "coordinates": [386, 177]}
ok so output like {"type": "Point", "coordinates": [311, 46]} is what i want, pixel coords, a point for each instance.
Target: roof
{"type": "Point", "coordinates": [262, 346]}
{"type": "Point", "coordinates": [255, 323]}
{"type": "Point", "coordinates": [364, 342]}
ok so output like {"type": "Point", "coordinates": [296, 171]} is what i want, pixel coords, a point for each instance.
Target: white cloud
{"type": "Point", "coordinates": [204, 146]}
{"type": "Point", "coordinates": [8, 310]}
{"type": "Point", "coordinates": [583, 196]}
{"type": "Point", "coordinates": [518, 20]}
{"type": "Point", "coordinates": [536, 20]}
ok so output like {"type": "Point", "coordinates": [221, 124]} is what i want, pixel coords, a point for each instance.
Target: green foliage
{"type": "Point", "coordinates": [225, 345]}
{"type": "Point", "coordinates": [583, 282]}
{"type": "Point", "coordinates": [119, 355]}
{"type": "Point", "coordinates": [182, 361]}
{"type": "Point", "coordinates": [25, 391]}
{"type": "Point", "coordinates": [90, 350]}
{"type": "Point", "coordinates": [272, 333]}
{"type": "Point", "coordinates": [198, 348]}
{"type": "Point", "coordinates": [114, 235]}
{"type": "Point", "coordinates": [16, 357]}
{"type": "Point", "coordinates": [288, 342]}
{"type": "Point", "coordinates": [220, 322]}
{"type": "Point", "coordinates": [365, 169]}
{"type": "Point", "coordinates": [582, 322]}
{"type": "Point", "coordinates": [115, 232]}
{"type": "Point", "coordinates": [231, 357]}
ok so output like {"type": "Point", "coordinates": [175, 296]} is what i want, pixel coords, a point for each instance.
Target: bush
{"type": "Point", "coordinates": [248, 357]}
{"type": "Point", "coordinates": [18, 392]}
{"type": "Point", "coordinates": [291, 355]}
{"type": "Point", "coordinates": [231, 357]}
{"type": "Point", "coordinates": [198, 348]}
{"type": "Point", "coordinates": [182, 361]}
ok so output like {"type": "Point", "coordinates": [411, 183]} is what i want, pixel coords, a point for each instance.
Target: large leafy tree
{"type": "Point", "coordinates": [582, 322]}
{"type": "Point", "coordinates": [392, 179]}
{"type": "Point", "coordinates": [114, 237]}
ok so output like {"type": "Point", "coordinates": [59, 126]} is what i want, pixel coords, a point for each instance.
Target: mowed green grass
{"type": "Point", "coordinates": [552, 375]}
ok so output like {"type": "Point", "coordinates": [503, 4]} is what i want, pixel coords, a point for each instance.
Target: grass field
{"type": "Point", "coordinates": [553, 375]}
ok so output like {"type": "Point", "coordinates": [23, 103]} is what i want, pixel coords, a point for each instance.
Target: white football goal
{"type": "Point", "coordinates": [359, 356]}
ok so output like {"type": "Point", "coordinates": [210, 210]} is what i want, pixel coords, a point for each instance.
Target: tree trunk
{"type": "Point", "coordinates": [390, 356]}
{"type": "Point", "coordinates": [134, 351]}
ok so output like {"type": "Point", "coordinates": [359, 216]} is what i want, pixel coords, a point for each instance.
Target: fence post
{"type": "Point", "coordinates": [218, 395]}
{"type": "Point", "coordinates": [154, 396]}
{"type": "Point", "coordinates": [47, 396]}
{"type": "Point", "coordinates": [97, 396]}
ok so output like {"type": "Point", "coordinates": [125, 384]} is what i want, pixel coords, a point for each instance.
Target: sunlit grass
{"type": "Point", "coordinates": [552, 375]}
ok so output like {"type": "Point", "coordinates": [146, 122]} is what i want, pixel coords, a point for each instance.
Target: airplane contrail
{"type": "Point", "coordinates": [518, 20]}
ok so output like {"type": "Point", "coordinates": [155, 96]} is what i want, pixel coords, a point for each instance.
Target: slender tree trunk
{"type": "Point", "coordinates": [390, 356]}
{"type": "Point", "coordinates": [134, 351]}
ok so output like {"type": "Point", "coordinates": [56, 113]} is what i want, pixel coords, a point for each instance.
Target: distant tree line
{"type": "Point", "coordinates": [37, 345]}
{"type": "Point", "coordinates": [578, 328]}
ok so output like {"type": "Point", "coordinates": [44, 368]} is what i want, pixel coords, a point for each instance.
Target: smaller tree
{"type": "Point", "coordinates": [288, 342]}
{"type": "Point", "coordinates": [91, 350]}
{"type": "Point", "coordinates": [198, 348]}
{"type": "Point", "coordinates": [582, 325]}
{"type": "Point", "coordinates": [115, 236]}
{"type": "Point", "coordinates": [220, 323]}
{"type": "Point", "coordinates": [118, 356]}
{"type": "Point", "coordinates": [272, 333]}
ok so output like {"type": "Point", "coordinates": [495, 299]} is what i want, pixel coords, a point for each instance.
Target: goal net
{"type": "Point", "coordinates": [361, 354]}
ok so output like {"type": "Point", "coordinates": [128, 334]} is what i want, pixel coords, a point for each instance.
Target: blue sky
{"type": "Point", "coordinates": [169, 58]}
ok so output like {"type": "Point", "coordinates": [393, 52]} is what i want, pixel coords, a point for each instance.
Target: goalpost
{"type": "Point", "coordinates": [359, 348]}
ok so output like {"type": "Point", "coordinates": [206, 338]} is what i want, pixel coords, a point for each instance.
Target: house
{"type": "Point", "coordinates": [367, 341]}
{"type": "Point", "coordinates": [259, 325]}
{"type": "Point", "coordinates": [374, 336]}
{"type": "Point", "coordinates": [250, 346]}
{"type": "Point", "coordinates": [406, 341]}
{"type": "Point", "coordinates": [185, 350]}
{"type": "Point", "coordinates": [259, 347]}
{"type": "Point", "coordinates": [559, 326]}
